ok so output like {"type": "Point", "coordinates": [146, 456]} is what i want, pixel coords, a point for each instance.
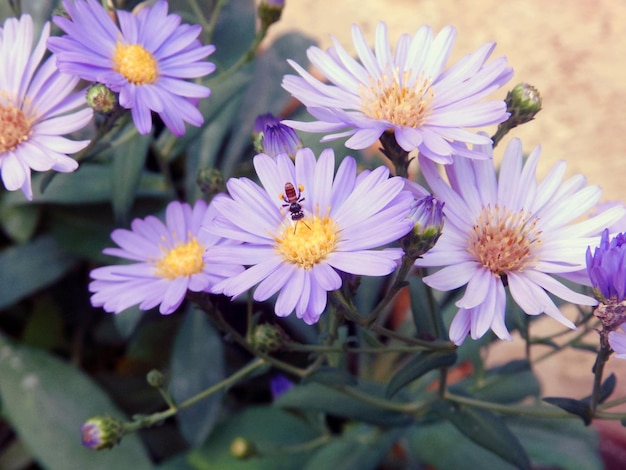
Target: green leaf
{"type": "Point", "coordinates": [91, 183]}
{"type": "Point", "coordinates": [196, 364]}
{"type": "Point", "coordinates": [129, 153]}
{"type": "Point", "coordinates": [331, 376]}
{"type": "Point", "coordinates": [558, 443]}
{"type": "Point", "coordinates": [579, 408]}
{"type": "Point", "coordinates": [25, 269]}
{"type": "Point", "coordinates": [126, 321]}
{"type": "Point", "coordinates": [271, 430]}
{"type": "Point", "coordinates": [318, 397]}
{"type": "Point", "coordinates": [509, 383]}
{"type": "Point", "coordinates": [358, 448]}
{"type": "Point", "coordinates": [421, 364]}
{"type": "Point", "coordinates": [443, 447]}
{"type": "Point", "coordinates": [424, 321]}
{"type": "Point", "coordinates": [487, 430]}
{"type": "Point", "coordinates": [47, 400]}
{"type": "Point", "coordinates": [19, 222]}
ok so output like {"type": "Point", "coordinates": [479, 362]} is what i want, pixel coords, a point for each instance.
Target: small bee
{"type": "Point", "coordinates": [293, 199]}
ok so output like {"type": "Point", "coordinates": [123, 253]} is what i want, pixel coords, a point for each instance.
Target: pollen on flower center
{"type": "Point", "coordinates": [504, 241]}
{"type": "Point", "coordinates": [135, 63]}
{"type": "Point", "coordinates": [184, 260]}
{"type": "Point", "coordinates": [399, 100]}
{"type": "Point", "coordinates": [309, 243]}
{"type": "Point", "coordinates": [15, 128]}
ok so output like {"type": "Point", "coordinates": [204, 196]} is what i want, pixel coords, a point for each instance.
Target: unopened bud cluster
{"type": "Point", "coordinates": [102, 432]}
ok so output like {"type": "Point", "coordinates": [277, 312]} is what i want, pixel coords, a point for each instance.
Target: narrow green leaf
{"type": "Point", "coordinates": [331, 376]}
{"type": "Point", "coordinates": [558, 443]}
{"type": "Point", "coordinates": [25, 269]}
{"type": "Point", "coordinates": [358, 448]}
{"type": "Point", "coordinates": [19, 222]}
{"type": "Point", "coordinates": [47, 400]}
{"type": "Point", "coordinates": [129, 153]}
{"type": "Point", "coordinates": [197, 363]}
{"type": "Point", "coordinates": [576, 407]}
{"type": "Point", "coordinates": [421, 364]}
{"type": "Point", "coordinates": [318, 397]}
{"type": "Point", "coordinates": [487, 430]}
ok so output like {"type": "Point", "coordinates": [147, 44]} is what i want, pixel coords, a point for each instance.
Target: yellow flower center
{"type": "Point", "coordinates": [136, 64]}
{"type": "Point", "coordinates": [308, 242]}
{"type": "Point", "coordinates": [184, 260]}
{"type": "Point", "coordinates": [15, 128]}
{"type": "Point", "coordinates": [504, 241]}
{"type": "Point", "coordinates": [399, 100]}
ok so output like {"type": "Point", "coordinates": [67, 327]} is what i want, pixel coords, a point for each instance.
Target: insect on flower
{"type": "Point", "coordinates": [293, 199]}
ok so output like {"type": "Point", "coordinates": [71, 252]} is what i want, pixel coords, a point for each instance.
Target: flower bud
{"type": "Point", "coordinates": [267, 338]}
{"type": "Point", "coordinates": [155, 378]}
{"type": "Point", "coordinates": [102, 432]}
{"type": "Point", "coordinates": [101, 99]}
{"type": "Point", "coordinates": [427, 217]}
{"type": "Point", "coordinates": [269, 12]}
{"type": "Point", "coordinates": [211, 181]}
{"type": "Point", "coordinates": [523, 102]}
{"type": "Point", "coordinates": [606, 268]}
{"type": "Point", "coordinates": [241, 448]}
{"type": "Point", "coordinates": [273, 138]}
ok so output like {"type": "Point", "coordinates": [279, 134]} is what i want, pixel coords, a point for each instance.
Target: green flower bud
{"type": "Point", "coordinates": [523, 102]}
{"type": "Point", "coordinates": [102, 432]}
{"type": "Point", "coordinates": [211, 181]}
{"type": "Point", "coordinates": [427, 216]}
{"type": "Point", "coordinates": [155, 378]}
{"type": "Point", "coordinates": [269, 12]}
{"type": "Point", "coordinates": [101, 99]}
{"type": "Point", "coordinates": [242, 448]}
{"type": "Point", "coordinates": [267, 338]}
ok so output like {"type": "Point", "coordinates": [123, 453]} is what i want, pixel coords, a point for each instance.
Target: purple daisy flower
{"type": "Point", "coordinates": [305, 226]}
{"type": "Point", "coordinates": [406, 92]}
{"type": "Point", "coordinates": [510, 230]}
{"type": "Point", "coordinates": [273, 137]}
{"type": "Point", "coordinates": [146, 60]}
{"type": "Point", "coordinates": [169, 261]}
{"type": "Point", "coordinates": [37, 107]}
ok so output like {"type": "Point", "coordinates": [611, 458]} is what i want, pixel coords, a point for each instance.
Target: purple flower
{"type": "Point", "coordinates": [169, 261]}
{"type": "Point", "coordinates": [37, 107]}
{"type": "Point", "coordinates": [406, 92]}
{"type": "Point", "coordinates": [509, 230]}
{"type": "Point", "coordinates": [305, 226]}
{"type": "Point", "coordinates": [275, 137]}
{"type": "Point", "coordinates": [607, 266]}
{"type": "Point", "coordinates": [146, 60]}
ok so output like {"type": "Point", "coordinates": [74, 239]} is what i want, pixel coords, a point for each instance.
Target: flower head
{"type": "Point", "coordinates": [511, 231]}
{"type": "Point", "coordinates": [102, 432]}
{"type": "Point", "coordinates": [305, 226]}
{"type": "Point", "coordinates": [427, 217]}
{"type": "Point", "coordinates": [169, 261]}
{"type": "Point", "coordinates": [37, 107]}
{"type": "Point", "coordinates": [607, 267]}
{"type": "Point", "coordinates": [407, 93]}
{"type": "Point", "coordinates": [146, 60]}
{"type": "Point", "coordinates": [274, 137]}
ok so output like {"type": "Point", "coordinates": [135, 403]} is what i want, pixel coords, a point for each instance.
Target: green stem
{"type": "Point", "coordinates": [152, 419]}
{"type": "Point", "coordinates": [598, 370]}
{"type": "Point", "coordinates": [324, 349]}
{"type": "Point", "coordinates": [246, 57]}
{"type": "Point", "coordinates": [508, 409]}
{"type": "Point", "coordinates": [399, 283]}
{"type": "Point", "coordinates": [199, 16]}
{"type": "Point", "coordinates": [572, 341]}
{"type": "Point", "coordinates": [215, 14]}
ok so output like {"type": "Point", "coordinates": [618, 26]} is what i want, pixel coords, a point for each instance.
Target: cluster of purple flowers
{"type": "Point", "coordinates": [306, 225]}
